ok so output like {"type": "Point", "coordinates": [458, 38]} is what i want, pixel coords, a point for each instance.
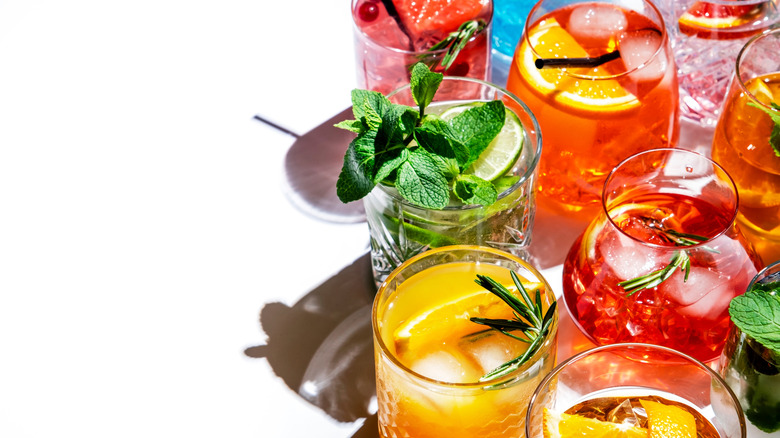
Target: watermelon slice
{"type": "Point", "coordinates": [436, 16]}
{"type": "Point", "coordinates": [704, 18]}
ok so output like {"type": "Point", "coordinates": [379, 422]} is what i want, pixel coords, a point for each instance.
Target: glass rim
{"type": "Point", "coordinates": [629, 346]}
{"type": "Point", "coordinates": [532, 165]}
{"type": "Point", "coordinates": [661, 48]}
{"type": "Point", "coordinates": [484, 31]}
{"type": "Point", "coordinates": [714, 164]}
{"type": "Point", "coordinates": [765, 271]}
{"type": "Point", "coordinates": [495, 383]}
{"type": "Point", "coordinates": [742, 52]}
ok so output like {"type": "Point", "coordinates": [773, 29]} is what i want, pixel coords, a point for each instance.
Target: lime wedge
{"type": "Point", "coordinates": [502, 152]}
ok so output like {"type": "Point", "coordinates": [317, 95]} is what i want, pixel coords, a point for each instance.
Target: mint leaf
{"type": "Point", "coordinates": [477, 127]}
{"type": "Point", "coordinates": [387, 167]}
{"type": "Point", "coordinates": [421, 183]}
{"type": "Point", "coordinates": [424, 84]}
{"type": "Point", "coordinates": [757, 314]}
{"type": "Point", "coordinates": [356, 179]}
{"type": "Point", "coordinates": [355, 126]}
{"type": "Point", "coordinates": [436, 136]}
{"type": "Point", "coordinates": [472, 189]}
{"type": "Point", "coordinates": [774, 138]}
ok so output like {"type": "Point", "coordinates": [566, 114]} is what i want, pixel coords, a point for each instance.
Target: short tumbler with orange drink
{"type": "Point", "coordinates": [600, 78]}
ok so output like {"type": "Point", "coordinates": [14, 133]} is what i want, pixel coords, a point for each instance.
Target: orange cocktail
{"type": "Point", "coordinates": [744, 139]}
{"type": "Point", "coordinates": [431, 358]}
{"type": "Point", "coordinates": [594, 116]}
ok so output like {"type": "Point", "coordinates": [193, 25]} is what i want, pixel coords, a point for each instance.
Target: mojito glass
{"type": "Point", "coordinates": [743, 138]}
{"type": "Point", "coordinates": [663, 260]}
{"type": "Point", "coordinates": [706, 38]}
{"type": "Point", "coordinates": [392, 35]}
{"type": "Point", "coordinates": [753, 371]}
{"type": "Point", "coordinates": [624, 390]}
{"type": "Point", "coordinates": [600, 78]}
{"type": "Point", "coordinates": [400, 229]}
{"type": "Point", "coordinates": [430, 357]}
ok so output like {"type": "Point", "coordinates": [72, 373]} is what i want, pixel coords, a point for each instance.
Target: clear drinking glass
{"type": "Point", "coordinates": [400, 230]}
{"type": "Point", "coordinates": [753, 372]}
{"type": "Point", "coordinates": [635, 370]}
{"type": "Point", "coordinates": [706, 37]}
{"type": "Point", "coordinates": [393, 35]}
{"type": "Point", "coordinates": [594, 115]}
{"type": "Point", "coordinates": [741, 143]}
{"type": "Point", "coordinates": [663, 260]}
{"type": "Point", "coordinates": [430, 356]}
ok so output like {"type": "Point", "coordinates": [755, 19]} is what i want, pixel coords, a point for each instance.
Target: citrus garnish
{"type": "Point", "coordinates": [706, 15]}
{"type": "Point", "coordinates": [761, 92]}
{"type": "Point", "coordinates": [501, 154]}
{"type": "Point", "coordinates": [597, 96]}
{"type": "Point", "coordinates": [668, 421]}
{"type": "Point", "coordinates": [577, 426]}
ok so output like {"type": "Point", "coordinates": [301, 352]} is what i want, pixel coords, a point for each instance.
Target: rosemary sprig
{"type": "Point", "coordinates": [528, 320]}
{"type": "Point", "coordinates": [680, 259]}
{"type": "Point", "coordinates": [454, 43]}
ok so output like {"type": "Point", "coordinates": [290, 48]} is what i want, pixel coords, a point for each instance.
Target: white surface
{"type": "Point", "coordinates": [143, 220]}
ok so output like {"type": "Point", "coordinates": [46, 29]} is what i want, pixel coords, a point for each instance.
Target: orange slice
{"type": "Point", "coordinates": [594, 97]}
{"type": "Point", "coordinates": [669, 421]}
{"type": "Point", "coordinates": [576, 426]}
{"type": "Point", "coordinates": [706, 15]}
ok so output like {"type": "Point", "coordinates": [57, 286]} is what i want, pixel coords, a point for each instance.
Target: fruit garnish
{"type": "Point", "coordinates": [668, 421]}
{"type": "Point", "coordinates": [706, 15]}
{"type": "Point", "coordinates": [436, 15]}
{"type": "Point", "coordinates": [422, 155]}
{"type": "Point", "coordinates": [529, 320]}
{"type": "Point", "coordinates": [774, 114]}
{"type": "Point", "coordinates": [576, 426]}
{"type": "Point", "coordinates": [502, 153]}
{"type": "Point", "coordinates": [594, 97]}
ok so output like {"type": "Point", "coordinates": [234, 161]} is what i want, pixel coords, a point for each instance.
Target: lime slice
{"type": "Point", "coordinates": [501, 154]}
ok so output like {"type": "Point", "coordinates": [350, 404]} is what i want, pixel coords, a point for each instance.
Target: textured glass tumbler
{"type": "Point", "coordinates": [631, 370]}
{"type": "Point", "coordinates": [400, 230]}
{"type": "Point", "coordinates": [435, 401]}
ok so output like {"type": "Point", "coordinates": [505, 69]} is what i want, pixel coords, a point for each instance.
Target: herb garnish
{"type": "Point", "coordinates": [454, 43]}
{"type": "Point", "coordinates": [534, 330]}
{"type": "Point", "coordinates": [680, 259]}
{"type": "Point", "coordinates": [774, 139]}
{"type": "Point", "coordinates": [757, 314]}
{"type": "Point", "coordinates": [422, 155]}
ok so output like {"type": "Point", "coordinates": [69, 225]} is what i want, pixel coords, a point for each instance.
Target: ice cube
{"type": "Point", "coordinates": [445, 366]}
{"type": "Point", "coordinates": [628, 258]}
{"type": "Point", "coordinates": [490, 349]}
{"type": "Point", "coordinates": [595, 25]}
{"type": "Point", "coordinates": [637, 48]}
{"type": "Point", "coordinates": [706, 295]}
{"type": "Point", "coordinates": [624, 414]}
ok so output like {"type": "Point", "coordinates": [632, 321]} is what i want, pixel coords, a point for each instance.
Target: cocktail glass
{"type": "Point", "coordinates": [706, 37]}
{"type": "Point", "coordinates": [430, 356]}
{"type": "Point", "coordinates": [400, 229]}
{"type": "Point", "coordinates": [392, 35]}
{"type": "Point", "coordinates": [593, 117]}
{"type": "Point", "coordinates": [741, 143]}
{"type": "Point", "coordinates": [633, 370]}
{"type": "Point", "coordinates": [753, 372]}
{"type": "Point", "coordinates": [662, 261]}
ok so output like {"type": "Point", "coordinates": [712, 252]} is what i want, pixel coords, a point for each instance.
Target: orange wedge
{"type": "Point", "coordinates": [669, 421]}
{"type": "Point", "coordinates": [595, 97]}
{"type": "Point", "coordinates": [706, 15]}
{"type": "Point", "coordinates": [576, 426]}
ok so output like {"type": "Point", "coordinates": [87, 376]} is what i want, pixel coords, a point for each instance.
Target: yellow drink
{"type": "Point", "coordinates": [430, 355]}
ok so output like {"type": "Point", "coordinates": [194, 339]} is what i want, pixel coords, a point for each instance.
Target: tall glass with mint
{"type": "Point", "coordinates": [441, 161]}
{"type": "Point", "coordinates": [750, 362]}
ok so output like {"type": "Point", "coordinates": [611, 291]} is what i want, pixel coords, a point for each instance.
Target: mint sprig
{"type": "Point", "coordinates": [757, 314]}
{"type": "Point", "coordinates": [422, 155]}
{"type": "Point", "coordinates": [774, 138]}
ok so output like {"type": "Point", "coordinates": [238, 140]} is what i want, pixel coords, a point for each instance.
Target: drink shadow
{"type": "Point", "coordinates": [322, 346]}
{"type": "Point", "coordinates": [312, 167]}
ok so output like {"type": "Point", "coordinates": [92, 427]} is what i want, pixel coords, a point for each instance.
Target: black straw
{"type": "Point", "coordinates": [576, 62]}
